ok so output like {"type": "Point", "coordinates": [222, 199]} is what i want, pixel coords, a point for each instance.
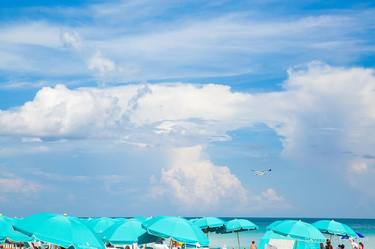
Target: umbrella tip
{"type": "Point", "coordinates": [65, 214]}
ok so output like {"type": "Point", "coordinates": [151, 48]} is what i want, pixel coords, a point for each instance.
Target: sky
{"type": "Point", "coordinates": [124, 108]}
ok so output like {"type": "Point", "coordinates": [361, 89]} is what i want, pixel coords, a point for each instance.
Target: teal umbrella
{"type": "Point", "coordinates": [176, 228]}
{"type": "Point", "coordinates": [299, 230]}
{"type": "Point", "coordinates": [99, 225]}
{"type": "Point", "coordinates": [7, 233]}
{"type": "Point", "coordinates": [239, 225]}
{"type": "Point", "coordinates": [275, 223]}
{"type": "Point", "coordinates": [268, 236]}
{"type": "Point", "coordinates": [335, 228]}
{"type": "Point", "coordinates": [209, 224]}
{"type": "Point", "coordinates": [128, 232]}
{"type": "Point", "coordinates": [61, 230]}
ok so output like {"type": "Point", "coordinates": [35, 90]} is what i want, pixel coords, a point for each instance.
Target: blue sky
{"type": "Point", "coordinates": [158, 107]}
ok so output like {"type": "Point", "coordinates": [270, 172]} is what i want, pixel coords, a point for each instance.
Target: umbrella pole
{"type": "Point", "coordinates": [238, 241]}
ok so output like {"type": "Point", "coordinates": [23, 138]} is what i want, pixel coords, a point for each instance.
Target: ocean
{"type": "Point", "coordinates": [363, 226]}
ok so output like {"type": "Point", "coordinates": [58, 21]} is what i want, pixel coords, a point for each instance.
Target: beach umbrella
{"type": "Point", "coordinates": [335, 228]}
{"type": "Point", "coordinates": [61, 230]}
{"type": "Point", "coordinates": [7, 232]}
{"type": "Point", "coordinates": [176, 228]}
{"type": "Point", "coordinates": [238, 225]}
{"type": "Point", "coordinates": [299, 230]}
{"type": "Point", "coordinates": [128, 232]}
{"type": "Point", "coordinates": [99, 225]}
{"type": "Point", "coordinates": [275, 223]}
{"type": "Point", "coordinates": [209, 224]}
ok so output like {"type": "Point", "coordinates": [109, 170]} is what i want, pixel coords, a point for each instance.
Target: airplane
{"type": "Point", "coordinates": [261, 172]}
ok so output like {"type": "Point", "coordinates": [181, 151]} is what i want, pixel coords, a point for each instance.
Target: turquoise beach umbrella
{"type": "Point", "coordinates": [209, 223]}
{"type": "Point", "coordinates": [275, 223]}
{"type": "Point", "coordinates": [176, 228]}
{"type": "Point", "coordinates": [99, 225]}
{"type": "Point", "coordinates": [299, 230]}
{"type": "Point", "coordinates": [335, 228]}
{"type": "Point", "coordinates": [61, 230]}
{"type": "Point", "coordinates": [7, 233]}
{"type": "Point", "coordinates": [239, 225]}
{"type": "Point", "coordinates": [29, 224]}
{"type": "Point", "coordinates": [128, 232]}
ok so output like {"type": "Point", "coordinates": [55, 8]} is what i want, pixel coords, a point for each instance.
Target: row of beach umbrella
{"type": "Point", "coordinates": [91, 233]}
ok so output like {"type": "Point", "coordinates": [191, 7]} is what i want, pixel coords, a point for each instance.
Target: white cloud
{"type": "Point", "coordinates": [359, 167]}
{"type": "Point", "coordinates": [71, 39]}
{"type": "Point", "coordinates": [102, 66]}
{"type": "Point", "coordinates": [227, 44]}
{"type": "Point", "coordinates": [321, 108]}
{"type": "Point", "coordinates": [194, 180]}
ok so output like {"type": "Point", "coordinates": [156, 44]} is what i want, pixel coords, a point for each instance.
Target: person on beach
{"type": "Point", "coordinates": [354, 245]}
{"type": "Point", "coordinates": [328, 244]}
{"type": "Point", "coordinates": [361, 246]}
{"type": "Point", "coordinates": [321, 246]}
{"type": "Point", "coordinates": [253, 245]}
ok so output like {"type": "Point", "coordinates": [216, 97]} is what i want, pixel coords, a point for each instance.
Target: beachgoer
{"type": "Point", "coordinates": [321, 246]}
{"type": "Point", "coordinates": [361, 246]}
{"type": "Point", "coordinates": [354, 245]}
{"type": "Point", "coordinates": [328, 244]}
{"type": "Point", "coordinates": [253, 245]}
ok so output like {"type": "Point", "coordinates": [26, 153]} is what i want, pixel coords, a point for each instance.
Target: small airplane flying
{"type": "Point", "coordinates": [261, 172]}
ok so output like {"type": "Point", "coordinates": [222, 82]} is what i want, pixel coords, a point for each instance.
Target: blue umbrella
{"type": "Point", "coordinates": [238, 225]}
{"type": "Point", "coordinates": [299, 230]}
{"type": "Point", "coordinates": [335, 228]}
{"type": "Point", "coordinates": [7, 231]}
{"type": "Point", "coordinates": [209, 224]}
{"type": "Point", "coordinates": [176, 228]}
{"type": "Point", "coordinates": [128, 232]}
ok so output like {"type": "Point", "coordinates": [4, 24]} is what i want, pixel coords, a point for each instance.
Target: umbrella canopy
{"type": "Point", "coordinates": [209, 223]}
{"type": "Point", "coordinates": [177, 228]}
{"type": "Point", "coordinates": [299, 230]}
{"type": "Point", "coordinates": [29, 224]}
{"type": "Point", "coordinates": [275, 223]}
{"type": "Point", "coordinates": [128, 232]}
{"type": "Point", "coordinates": [238, 225]}
{"type": "Point", "coordinates": [8, 233]}
{"type": "Point", "coordinates": [99, 225]}
{"type": "Point", "coordinates": [335, 228]}
{"type": "Point", "coordinates": [62, 230]}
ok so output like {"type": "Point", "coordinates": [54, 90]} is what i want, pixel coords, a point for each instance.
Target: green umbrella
{"type": "Point", "coordinates": [99, 225]}
{"type": "Point", "coordinates": [8, 233]}
{"type": "Point", "coordinates": [209, 223]}
{"type": "Point", "coordinates": [61, 230]}
{"type": "Point", "coordinates": [128, 232]}
{"type": "Point", "coordinates": [176, 228]}
{"type": "Point", "coordinates": [239, 225]}
{"type": "Point", "coordinates": [299, 230]}
{"type": "Point", "coordinates": [335, 228]}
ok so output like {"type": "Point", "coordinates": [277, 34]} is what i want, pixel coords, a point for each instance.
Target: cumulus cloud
{"type": "Point", "coordinates": [321, 108]}
{"type": "Point", "coordinates": [194, 180]}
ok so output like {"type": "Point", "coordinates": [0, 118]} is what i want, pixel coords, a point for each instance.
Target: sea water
{"type": "Point", "coordinates": [363, 226]}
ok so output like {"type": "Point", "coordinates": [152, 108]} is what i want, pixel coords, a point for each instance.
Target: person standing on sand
{"type": "Point", "coordinates": [253, 245]}
{"type": "Point", "coordinates": [361, 246]}
{"type": "Point", "coordinates": [328, 244]}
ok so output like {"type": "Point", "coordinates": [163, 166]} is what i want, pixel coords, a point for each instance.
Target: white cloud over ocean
{"type": "Point", "coordinates": [320, 109]}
